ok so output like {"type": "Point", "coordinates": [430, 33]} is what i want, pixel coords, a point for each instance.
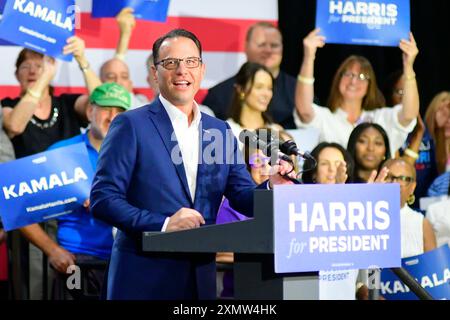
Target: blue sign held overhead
{"type": "Point", "coordinates": [153, 10]}
{"type": "Point", "coordinates": [44, 186]}
{"type": "Point", "coordinates": [39, 25]}
{"type": "Point", "coordinates": [336, 227]}
{"type": "Point", "coordinates": [364, 22]}
{"type": "Point", "coordinates": [431, 270]}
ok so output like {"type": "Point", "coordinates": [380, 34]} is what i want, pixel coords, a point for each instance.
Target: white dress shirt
{"type": "Point", "coordinates": [335, 127]}
{"type": "Point", "coordinates": [188, 142]}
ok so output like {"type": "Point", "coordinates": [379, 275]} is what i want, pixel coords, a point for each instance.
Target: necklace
{"type": "Point", "coordinates": [46, 124]}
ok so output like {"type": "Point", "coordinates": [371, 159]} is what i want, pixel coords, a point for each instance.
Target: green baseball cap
{"type": "Point", "coordinates": [111, 95]}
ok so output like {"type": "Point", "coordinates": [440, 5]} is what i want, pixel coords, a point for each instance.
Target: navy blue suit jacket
{"type": "Point", "coordinates": [137, 186]}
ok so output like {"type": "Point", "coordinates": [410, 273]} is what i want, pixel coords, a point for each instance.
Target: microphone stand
{"type": "Point", "coordinates": [374, 279]}
{"type": "Point", "coordinates": [412, 283]}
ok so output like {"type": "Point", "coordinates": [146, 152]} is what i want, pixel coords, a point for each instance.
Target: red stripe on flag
{"type": "Point", "coordinates": [227, 35]}
{"type": "Point", "coordinates": [14, 91]}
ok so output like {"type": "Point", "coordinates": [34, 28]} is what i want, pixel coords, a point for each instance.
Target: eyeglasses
{"type": "Point", "coordinates": [258, 161]}
{"type": "Point", "coordinates": [402, 180]}
{"type": "Point", "coordinates": [358, 77]}
{"type": "Point", "coordinates": [174, 63]}
{"type": "Point", "coordinates": [27, 66]}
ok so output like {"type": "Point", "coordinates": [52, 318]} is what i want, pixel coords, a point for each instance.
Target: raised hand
{"type": "Point", "coordinates": [126, 20]}
{"type": "Point", "coordinates": [410, 51]}
{"type": "Point", "coordinates": [76, 46]}
{"type": "Point", "coordinates": [48, 73]}
{"type": "Point", "coordinates": [341, 173]}
{"type": "Point", "coordinates": [311, 42]}
{"type": "Point", "coordinates": [378, 177]}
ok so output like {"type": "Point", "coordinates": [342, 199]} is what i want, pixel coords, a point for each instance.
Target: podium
{"type": "Point", "coordinates": [252, 241]}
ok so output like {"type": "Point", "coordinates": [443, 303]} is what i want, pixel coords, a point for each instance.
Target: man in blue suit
{"type": "Point", "coordinates": [158, 171]}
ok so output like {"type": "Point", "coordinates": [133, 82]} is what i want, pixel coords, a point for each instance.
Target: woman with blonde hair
{"type": "Point", "coordinates": [437, 119]}
{"type": "Point", "coordinates": [355, 97]}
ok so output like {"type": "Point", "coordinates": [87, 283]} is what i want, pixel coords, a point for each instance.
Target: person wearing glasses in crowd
{"type": "Point", "coordinates": [164, 185]}
{"type": "Point", "coordinates": [354, 96]}
{"type": "Point", "coordinates": [263, 45]}
{"type": "Point", "coordinates": [34, 121]}
{"type": "Point", "coordinates": [417, 235]}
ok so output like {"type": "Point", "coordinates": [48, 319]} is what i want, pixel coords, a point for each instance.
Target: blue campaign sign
{"type": "Point", "coordinates": [40, 25]}
{"type": "Point", "coordinates": [44, 186]}
{"type": "Point", "coordinates": [431, 270]}
{"type": "Point", "coordinates": [364, 22]}
{"type": "Point", "coordinates": [153, 10]}
{"type": "Point", "coordinates": [336, 227]}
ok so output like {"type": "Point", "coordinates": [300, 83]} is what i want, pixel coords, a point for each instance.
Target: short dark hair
{"type": "Point", "coordinates": [175, 33]}
{"type": "Point", "coordinates": [310, 172]}
{"type": "Point", "coordinates": [260, 24]}
{"type": "Point", "coordinates": [354, 136]}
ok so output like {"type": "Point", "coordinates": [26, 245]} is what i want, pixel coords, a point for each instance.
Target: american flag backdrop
{"type": "Point", "coordinates": [221, 26]}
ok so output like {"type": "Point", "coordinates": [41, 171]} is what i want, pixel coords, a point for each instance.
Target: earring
{"type": "Point", "coordinates": [241, 96]}
{"type": "Point", "coordinates": [411, 199]}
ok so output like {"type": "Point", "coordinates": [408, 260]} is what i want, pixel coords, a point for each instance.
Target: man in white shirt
{"type": "Point", "coordinates": [151, 176]}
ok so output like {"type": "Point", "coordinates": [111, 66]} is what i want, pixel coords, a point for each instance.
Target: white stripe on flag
{"type": "Point", "coordinates": [219, 66]}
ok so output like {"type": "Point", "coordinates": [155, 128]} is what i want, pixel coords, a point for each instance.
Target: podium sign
{"type": "Point", "coordinates": [329, 227]}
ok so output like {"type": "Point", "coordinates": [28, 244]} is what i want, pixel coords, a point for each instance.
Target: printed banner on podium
{"type": "Point", "coordinates": [44, 186]}
{"type": "Point", "coordinates": [153, 10]}
{"type": "Point", "coordinates": [40, 25]}
{"type": "Point", "coordinates": [431, 270]}
{"type": "Point", "coordinates": [364, 22]}
{"type": "Point", "coordinates": [335, 227]}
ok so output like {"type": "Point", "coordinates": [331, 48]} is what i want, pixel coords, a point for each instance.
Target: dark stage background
{"type": "Point", "coordinates": [430, 24]}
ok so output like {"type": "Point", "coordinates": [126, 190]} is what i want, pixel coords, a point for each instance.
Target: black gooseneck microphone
{"type": "Point", "coordinates": [289, 147]}
{"type": "Point", "coordinates": [269, 149]}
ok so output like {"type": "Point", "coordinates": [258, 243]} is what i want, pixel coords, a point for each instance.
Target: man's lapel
{"type": "Point", "coordinates": [161, 120]}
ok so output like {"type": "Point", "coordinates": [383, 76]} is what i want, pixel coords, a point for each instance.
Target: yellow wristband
{"type": "Point", "coordinates": [34, 94]}
{"type": "Point", "coordinates": [305, 80]}
{"type": "Point", "coordinates": [410, 153]}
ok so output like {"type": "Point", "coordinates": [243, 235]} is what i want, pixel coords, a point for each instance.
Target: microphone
{"type": "Point", "coordinates": [267, 148]}
{"type": "Point", "coordinates": [290, 148]}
